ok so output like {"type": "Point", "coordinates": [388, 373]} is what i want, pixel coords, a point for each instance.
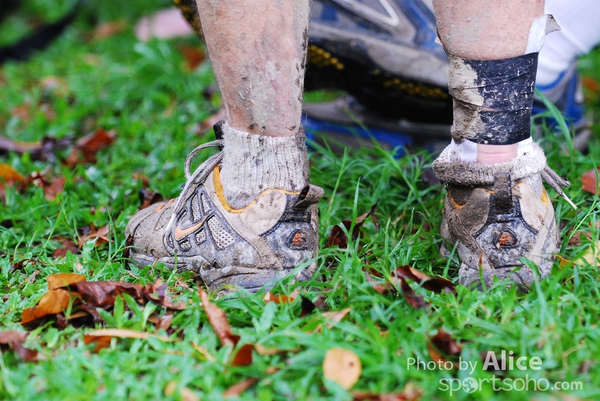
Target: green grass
{"type": "Point", "coordinates": [144, 92]}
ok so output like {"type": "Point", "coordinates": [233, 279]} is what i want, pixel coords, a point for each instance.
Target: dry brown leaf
{"type": "Point", "coordinates": [11, 178]}
{"type": "Point", "coordinates": [218, 321]}
{"type": "Point", "coordinates": [164, 322]}
{"type": "Point", "coordinates": [101, 235]}
{"type": "Point", "coordinates": [87, 147]}
{"type": "Point", "coordinates": [435, 284]}
{"type": "Point", "coordinates": [102, 294]}
{"type": "Point", "coordinates": [67, 246]}
{"type": "Point", "coordinates": [243, 356]}
{"type": "Point", "coordinates": [103, 337]}
{"type": "Point", "coordinates": [51, 186]}
{"type": "Point", "coordinates": [306, 306]}
{"type": "Point", "coordinates": [237, 389]}
{"type": "Point", "coordinates": [443, 345]}
{"type": "Point", "coordinates": [193, 55]}
{"type": "Point", "coordinates": [588, 179]}
{"type": "Point", "coordinates": [278, 299]}
{"type": "Point", "coordinates": [410, 296]}
{"type": "Point", "coordinates": [338, 237]}
{"type": "Point", "coordinates": [55, 301]}
{"type": "Point", "coordinates": [158, 292]}
{"type": "Point", "coordinates": [15, 339]}
{"type": "Point", "coordinates": [9, 175]}
{"type": "Point", "coordinates": [335, 317]}
{"type": "Point", "coordinates": [148, 198]}
{"type": "Point", "coordinates": [188, 395]}
{"type": "Point", "coordinates": [342, 366]}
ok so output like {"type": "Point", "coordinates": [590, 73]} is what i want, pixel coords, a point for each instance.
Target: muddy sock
{"type": "Point", "coordinates": [253, 163]}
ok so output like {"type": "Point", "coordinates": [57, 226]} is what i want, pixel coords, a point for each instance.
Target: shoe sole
{"type": "Point", "coordinates": [251, 279]}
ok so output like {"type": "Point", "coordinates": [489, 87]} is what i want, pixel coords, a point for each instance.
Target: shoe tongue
{"type": "Point", "coordinates": [502, 192]}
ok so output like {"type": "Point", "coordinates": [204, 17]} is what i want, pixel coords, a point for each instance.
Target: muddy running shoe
{"type": "Point", "coordinates": [270, 238]}
{"type": "Point", "coordinates": [498, 214]}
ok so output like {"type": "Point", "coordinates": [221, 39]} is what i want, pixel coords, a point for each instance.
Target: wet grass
{"type": "Point", "coordinates": [154, 103]}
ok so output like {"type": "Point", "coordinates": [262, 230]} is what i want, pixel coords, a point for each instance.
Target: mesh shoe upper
{"type": "Point", "coordinates": [249, 247]}
{"type": "Point", "coordinates": [497, 214]}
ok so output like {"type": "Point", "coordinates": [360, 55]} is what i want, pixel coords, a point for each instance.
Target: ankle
{"type": "Point", "coordinates": [253, 163]}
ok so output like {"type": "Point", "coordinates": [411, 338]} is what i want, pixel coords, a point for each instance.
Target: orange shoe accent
{"type": "Point", "coordinates": [221, 196]}
{"type": "Point", "coordinates": [180, 233]}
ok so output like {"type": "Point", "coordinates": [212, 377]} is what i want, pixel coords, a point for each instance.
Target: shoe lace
{"type": "Point", "coordinates": [199, 174]}
{"type": "Point", "coordinates": [557, 183]}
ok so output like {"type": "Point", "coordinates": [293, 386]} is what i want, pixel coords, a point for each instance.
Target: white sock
{"type": "Point", "coordinates": [579, 33]}
{"type": "Point", "coordinates": [252, 163]}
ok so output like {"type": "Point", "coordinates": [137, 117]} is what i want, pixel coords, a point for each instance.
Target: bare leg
{"type": "Point", "coordinates": [486, 31]}
{"type": "Point", "coordinates": [258, 50]}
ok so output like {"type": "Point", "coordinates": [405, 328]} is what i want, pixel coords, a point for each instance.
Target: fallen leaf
{"type": "Point", "coordinates": [332, 318]}
{"type": "Point", "coordinates": [237, 389]}
{"type": "Point", "coordinates": [158, 293]}
{"type": "Point", "coordinates": [218, 321]}
{"type": "Point", "coordinates": [591, 85]}
{"type": "Point", "coordinates": [588, 179]}
{"type": "Point", "coordinates": [51, 186]}
{"type": "Point", "coordinates": [22, 112]}
{"type": "Point", "coordinates": [410, 296]}
{"type": "Point", "coordinates": [278, 299]}
{"type": "Point", "coordinates": [67, 246]}
{"type": "Point", "coordinates": [306, 306]}
{"type": "Point", "coordinates": [382, 288]}
{"type": "Point", "coordinates": [188, 395]}
{"type": "Point", "coordinates": [87, 147]}
{"type": "Point", "coordinates": [243, 356]}
{"type": "Point", "coordinates": [262, 350]}
{"type": "Point", "coordinates": [443, 345]}
{"type": "Point", "coordinates": [10, 176]}
{"type": "Point", "coordinates": [193, 55]}
{"type": "Point", "coordinates": [342, 366]}
{"type": "Point", "coordinates": [42, 150]}
{"type": "Point", "coordinates": [15, 339]}
{"type": "Point", "coordinates": [148, 198]}
{"type": "Point", "coordinates": [99, 234]}
{"type": "Point", "coordinates": [338, 237]}
{"type": "Point", "coordinates": [435, 284]}
{"type": "Point", "coordinates": [591, 255]}
{"type": "Point", "coordinates": [141, 177]}
{"type": "Point", "coordinates": [55, 301]}
{"type": "Point", "coordinates": [103, 337]}
{"type": "Point", "coordinates": [102, 294]}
